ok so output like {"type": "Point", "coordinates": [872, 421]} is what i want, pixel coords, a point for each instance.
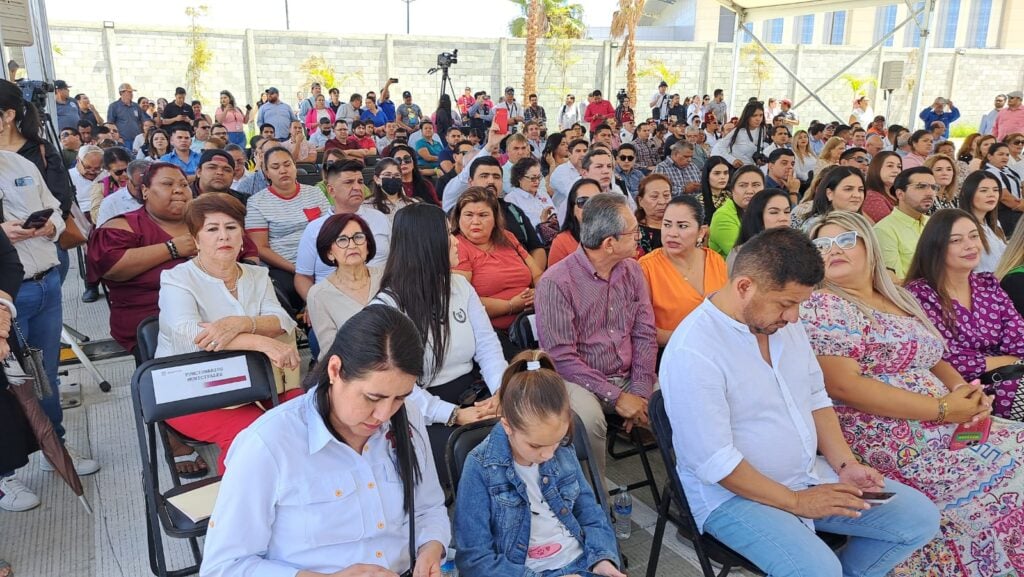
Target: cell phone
{"type": "Point", "coordinates": [877, 497]}
{"type": "Point", "coordinates": [37, 219]}
{"type": "Point", "coordinates": [968, 436]}
{"type": "Point", "coordinates": [501, 120]}
{"type": "Point", "coordinates": [393, 80]}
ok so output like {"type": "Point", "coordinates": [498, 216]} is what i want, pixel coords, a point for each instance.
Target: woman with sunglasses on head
{"type": "Point", "coordinates": [725, 224]}
{"type": "Point", "coordinates": [567, 241]}
{"type": "Point", "coordinates": [982, 329]}
{"type": "Point", "coordinates": [413, 182]}
{"type": "Point", "coordinates": [346, 243]}
{"type": "Point", "coordinates": [899, 404]}
{"type": "Point", "coordinates": [524, 506]}
{"type": "Point", "coordinates": [387, 193]}
{"type": "Point", "coordinates": [980, 197]}
{"type": "Point", "coordinates": [333, 482]}
{"type": "Point", "coordinates": [454, 324]}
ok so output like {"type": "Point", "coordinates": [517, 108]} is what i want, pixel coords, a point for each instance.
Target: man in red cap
{"type": "Point", "coordinates": [788, 116]}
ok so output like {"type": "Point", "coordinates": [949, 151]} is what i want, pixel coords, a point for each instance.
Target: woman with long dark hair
{"type": "Point", "coordinates": [746, 140]}
{"type": "Point", "coordinates": [714, 185]}
{"type": "Point", "coordinates": [567, 241]}
{"type": "Point", "coordinates": [329, 481]}
{"type": "Point", "coordinates": [879, 200]}
{"type": "Point", "coordinates": [451, 320]}
{"type": "Point", "coordinates": [556, 151]}
{"type": "Point", "coordinates": [386, 192]}
{"type": "Point", "coordinates": [413, 182]}
{"type": "Point", "coordinates": [996, 162]}
{"type": "Point", "coordinates": [233, 119]}
{"type": "Point", "coordinates": [445, 117]}
{"type": "Point", "coordinates": [980, 197]}
{"type": "Point", "coordinates": [725, 225]}
{"type": "Point", "coordinates": [840, 188]}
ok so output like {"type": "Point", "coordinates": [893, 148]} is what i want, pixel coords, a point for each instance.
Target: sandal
{"type": "Point", "coordinates": [201, 467]}
{"type": "Point", "coordinates": [5, 569]}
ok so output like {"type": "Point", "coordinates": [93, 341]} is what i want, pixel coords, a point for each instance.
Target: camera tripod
{"type": "Point", "coordinates": [446, 81]}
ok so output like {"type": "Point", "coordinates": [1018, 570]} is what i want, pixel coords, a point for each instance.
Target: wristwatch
{"type": "Point", "coordinates": [451, 419]}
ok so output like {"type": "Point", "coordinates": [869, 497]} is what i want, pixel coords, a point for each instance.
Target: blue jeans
{"type": "Point", "coordinates": [782, 546]}
{"type": "Point", "coordinates": [237, 138]}
{"type": "Point", "coordinates": [65, 262]}
{"type": "Point", "coordinates": [40, 318]}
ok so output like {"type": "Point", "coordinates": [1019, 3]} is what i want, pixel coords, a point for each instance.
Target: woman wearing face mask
{"type": "Point", "coordinates": [683, 271]}
{"type": "Point", "coordinates": [652, 198]}
{"type": "Point", "coordinates": [725, 225]}
{"type": "Point", "coordinates": [388, 194]}
{"type": "Point", "coordinates": [1010, 205]}
{"type": "Point", "coordinates": [714, 185]}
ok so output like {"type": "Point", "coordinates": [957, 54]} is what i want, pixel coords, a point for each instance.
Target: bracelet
{"type": "Point", "coordinates": [451, 419]}
{"type": "Point", "coordinates": [510, 311]}
{"type": "Point", "coordinates": [943, 405]}
{"type": "Point", "coordinates": [253, 331]}
{"type": "Point", "coordinates": [172, 249]}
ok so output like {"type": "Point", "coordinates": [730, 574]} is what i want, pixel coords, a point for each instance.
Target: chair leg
{"type": "Point", "coordinates": [646, 462]}
{"type": "Point", "coordinates": [659, 534]}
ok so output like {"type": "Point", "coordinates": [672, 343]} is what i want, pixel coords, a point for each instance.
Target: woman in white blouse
{"type": "Point", "coordinates": [526, 192]}
{"type": "Point", "coordinates": [214, 303]}
{"type": "Point", "coordinates": [448, 314]}
{"type": "Point", "coordinates": [345, 242]}
{"type": "Point", "coordinates": [318, 486]}
{"type": "Point", "coordinates": [740, 147]}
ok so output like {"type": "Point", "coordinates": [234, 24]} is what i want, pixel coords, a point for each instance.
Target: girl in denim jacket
{"type": "Point", "coordinates": [524, 507]}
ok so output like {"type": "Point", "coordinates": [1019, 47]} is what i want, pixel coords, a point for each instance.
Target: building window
{"type": "Point", "coordinates": [804, 29]}
{"type": "Point", "coordinates": [949, 17]}
{"type": "Point", "coordinates": [981, 12]}
{"type": "Point", "coordinates": [885, 21]}
{"type": "Point", "coordinates": [835, 27]}
{"type": "Point", "coordinates": [773, 31]}
{"type": "Point", "coordinates": [726, 25]}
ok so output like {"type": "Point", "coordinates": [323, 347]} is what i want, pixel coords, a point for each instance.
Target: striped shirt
{"type": "Point", "coordinates": [680, 177]}
{"type": "Point", "coordinates": [284, 219]}
{"type": "Point", "coordinates": [597, 329]}
{"type": "Point", "coordinates": [646, 156]}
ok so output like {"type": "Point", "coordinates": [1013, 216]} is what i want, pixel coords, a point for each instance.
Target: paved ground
{"type": "Point", "coordinates": [59, 539]}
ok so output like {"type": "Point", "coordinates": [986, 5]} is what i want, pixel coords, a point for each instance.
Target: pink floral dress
{"type": "Point", "coordinates": [979, 490]}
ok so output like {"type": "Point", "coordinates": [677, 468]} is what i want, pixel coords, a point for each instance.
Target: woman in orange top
{"type": "Point", "coordinates": [683, 271]}
{"type": "Point", "coordinates": [499, 268]}
{"type": "Point", "coordinates": [567, 241]}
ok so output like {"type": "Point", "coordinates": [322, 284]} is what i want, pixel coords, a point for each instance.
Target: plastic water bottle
{"type": "Point", "coordinates": [448, 568]}
{"type": "Point", "coordinates": [623, 512]}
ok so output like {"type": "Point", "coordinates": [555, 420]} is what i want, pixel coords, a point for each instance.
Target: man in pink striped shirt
{"type": "Point", "coordinates": [594, 318]}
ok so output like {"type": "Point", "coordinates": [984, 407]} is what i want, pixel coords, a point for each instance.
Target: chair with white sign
{"type": "Point", "coordinates": [180, 385]}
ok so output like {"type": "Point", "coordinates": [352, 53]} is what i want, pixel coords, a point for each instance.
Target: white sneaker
{"type": "Point", "coordinates": [83, 466]}
{"type": "Point", "coordinates": [14, 496]}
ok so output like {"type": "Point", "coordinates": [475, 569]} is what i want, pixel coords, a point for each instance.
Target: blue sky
{"type": "Point", "coordinates": [478, 18]}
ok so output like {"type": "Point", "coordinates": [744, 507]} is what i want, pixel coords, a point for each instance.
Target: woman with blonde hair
{"type": "Point", "coordinates": [947, 176]}
{"type": "Point", "coordinates": [899, 404]}
{"type": "Point", "coordinates": [830, 153]}
{"type": "Point", "coordinates": [805, 158]}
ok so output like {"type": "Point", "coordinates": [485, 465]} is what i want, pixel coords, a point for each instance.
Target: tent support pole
{"type": "Point", "coordinates": [737, 40]}
{"type": "Point", "coordinates": [922, 63]}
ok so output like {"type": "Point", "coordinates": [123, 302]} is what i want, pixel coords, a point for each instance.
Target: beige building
{"type": "Point", "coordinates": [957, 24]}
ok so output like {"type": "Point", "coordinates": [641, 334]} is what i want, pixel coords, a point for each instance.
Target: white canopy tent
{"type": "Point", "coordinates": [755, 10]}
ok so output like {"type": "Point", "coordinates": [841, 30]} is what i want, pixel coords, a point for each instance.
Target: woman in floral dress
{"type": "Point", "coordinates": [899, 404]}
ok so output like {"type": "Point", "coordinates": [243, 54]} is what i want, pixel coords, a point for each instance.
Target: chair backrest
{"type": "Point", "coordinates": [307, 167]}
{"type": "Point", "coordinates": [196, 382]}
{"type": "Point", "coordinates": [310, 179]}
{"type": "Point", "coordinates": [663, 433]}
{"type": "Point", "coordinates": [146, 337]}
{"type": "Point", "coordinates": [460, 443]}
{"type": "Point", "coordinates": [522, 333]}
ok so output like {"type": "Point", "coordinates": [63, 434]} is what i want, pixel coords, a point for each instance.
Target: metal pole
{"type": "Point", "coordinates": [922, 64]}
{"type": "Point", "coordinates": [736, 40]}
{"type": "Point", "coordinates": [792, 75]}
{"type": "Point", "coordinates": [408, 4]}
{"type": "Point", "coordinates": [287, 17]}
{"type": "Point", "coordinates": [859, 56]}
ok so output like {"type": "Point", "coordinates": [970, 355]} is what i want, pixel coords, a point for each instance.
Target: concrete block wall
{"type": "Point", "coordinates": [94, 60]}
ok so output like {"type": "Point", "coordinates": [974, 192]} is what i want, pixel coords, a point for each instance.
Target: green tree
{"type": "Point", "coordinates": [200, 54]}
{"type": "Point", "coordinates": [624, 23]}
{"type": "Point", "coordinates": [557, 19]}
{"type": "Point", "coordinates": [858, 84]}
{"type": "Point", "coordinates": [658, 69]}
{"type": "Point", "coordinates": [317, 69]}
{"type": "Point", "coordinates": [760, 65]}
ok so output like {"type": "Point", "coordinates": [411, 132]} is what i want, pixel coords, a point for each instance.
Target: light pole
{"type": "Point", "coordinates": [407, 20]}
{"type": "Point", "coordinates": [287, 18]}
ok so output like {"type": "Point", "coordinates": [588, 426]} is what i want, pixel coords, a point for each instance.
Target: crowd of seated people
{"type": "Point", "coordinates": [405, 256]}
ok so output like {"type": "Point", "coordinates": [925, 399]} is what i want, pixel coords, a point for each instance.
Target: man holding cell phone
{"type": "Point", "coordinates": [750, 416]}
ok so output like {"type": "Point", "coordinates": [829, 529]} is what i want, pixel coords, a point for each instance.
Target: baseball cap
{"type": "Point", "coordinates": [786, 101]}
{"type": "Point", "coordinates": [272, 90]}
{"type": "Point", "coordinates": [407, 94]}
{"type": "Point", "coordinates": [1016, 94]}
{"type": "Point", "coordinates": [60, 85]}
{"type": "Point", "coordinates": [663, 83]}
{"type": "Point", "coordinates": [212, 153]}
{"type": "Point", "coordinates": [510, 90]}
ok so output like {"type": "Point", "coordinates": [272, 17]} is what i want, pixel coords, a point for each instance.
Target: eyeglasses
{"type": "Point", "coordinates": [1017, 142]}
{"type": "Point", "coordinates": [404, 159]}
{"type": "Point", "coordinates": [844, 241]}
{"type": "Point", "coordinates": [625, 158]}
{"type": "Point", "coordinates": [926, 186]}
{"type": "Point", "coordinates": [532, 178]}
{"type": "Point", "coordinates": [119, 172]}
{"type": "Point", "coordinates": [581, 200]}
{"type": "Point", "coordinates": [636, 233]}
{"type": "Point", "coordinates": [860, 159]}
{"type": "Point", "coordinates": [358, 239]}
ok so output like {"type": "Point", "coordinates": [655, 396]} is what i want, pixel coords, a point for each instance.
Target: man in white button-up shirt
{"type": "Point", "coordinates": [750, 416]}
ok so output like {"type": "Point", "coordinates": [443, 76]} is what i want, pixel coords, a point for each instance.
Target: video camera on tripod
{"type": "Point", "coordinates": [445, 60]}
{"type": "Point", "coordinates": [35, 91]}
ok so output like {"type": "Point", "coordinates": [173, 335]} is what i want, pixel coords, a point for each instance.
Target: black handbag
{"type": "Point", "coordinates": [991, 379]}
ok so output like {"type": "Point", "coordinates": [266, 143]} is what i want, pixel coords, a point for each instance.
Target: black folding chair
{"type": "Point", "coordinates": [520, 332]}
{"type": "Point", "coordinates": [637, 446]}
{"type": "Point", "coordinates": [708, 548]}
{"type": "Point", "coordinates": [154, 401]}
{"type": "Point", "coordinates": [309, 179]}
{"type": "Point", "coordinates": [307, 168]}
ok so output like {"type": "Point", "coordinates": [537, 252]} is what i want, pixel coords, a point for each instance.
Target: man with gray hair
{"type": "Point", "coordinates": [680, 169]}
{"type": "Point", "coordinates": [873, 145]}
{"type": "Point", "coordinates": [85, 172]}
{"type": "Point", "coordinates": [594, 318]}
{"type": "Point", "coordinates": [126, 198]}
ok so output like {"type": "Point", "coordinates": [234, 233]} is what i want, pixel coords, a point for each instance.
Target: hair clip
{"type": "Point", "coordinates": [532, 365]}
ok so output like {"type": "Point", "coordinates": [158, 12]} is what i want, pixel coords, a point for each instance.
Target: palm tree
{"type": "Point", "coordinates": [532, 31]}
{"type": "Point", "coordinates": [557, 19]}
{"type": "Point", "coordinates": [624, 23]}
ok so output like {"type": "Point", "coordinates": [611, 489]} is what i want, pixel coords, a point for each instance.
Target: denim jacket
{"type": "Point", "coordinates": [492, 511]}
